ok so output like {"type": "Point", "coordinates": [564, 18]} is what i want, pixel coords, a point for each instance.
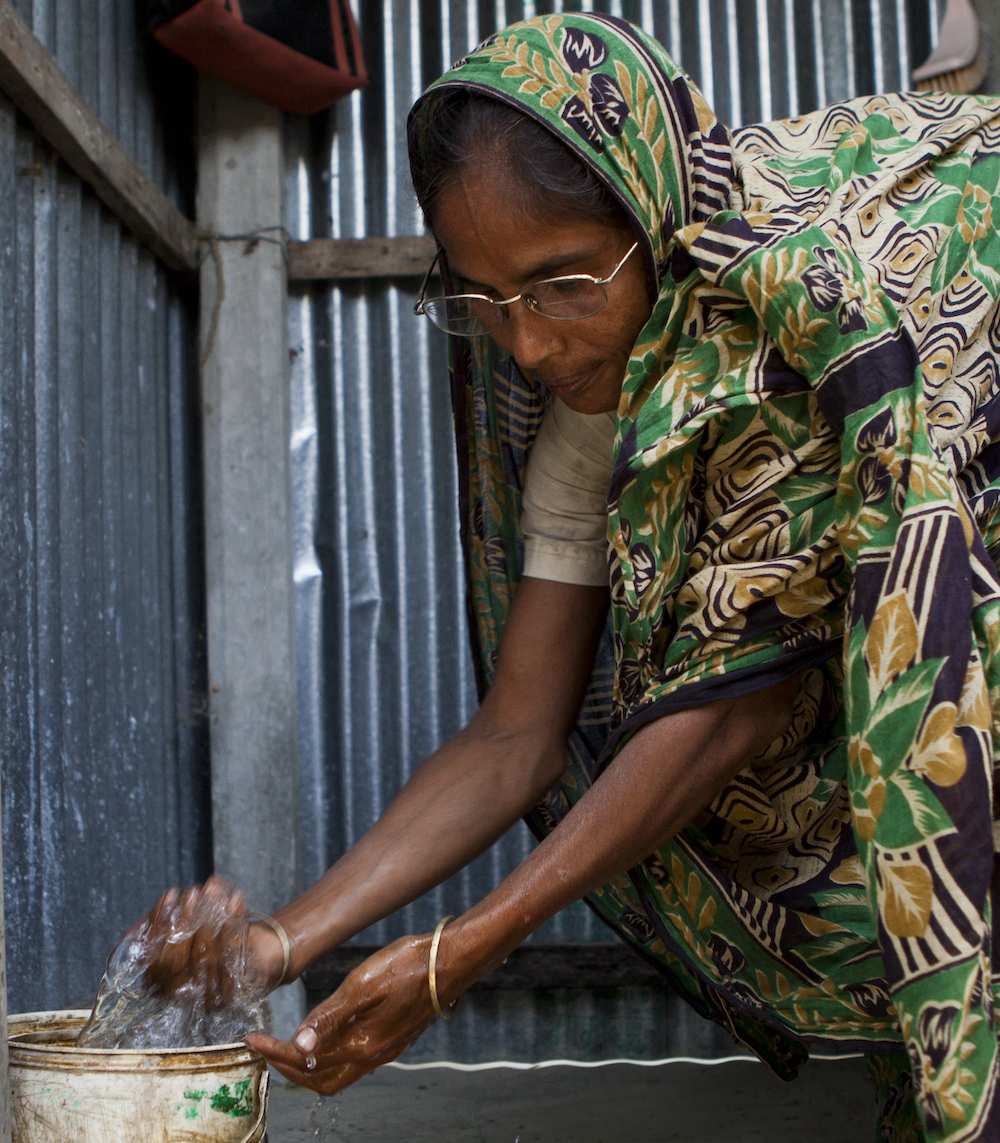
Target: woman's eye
{"type": "Point", "coordinates": [555, 291]}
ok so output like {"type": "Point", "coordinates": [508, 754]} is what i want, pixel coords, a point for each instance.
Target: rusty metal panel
{"type": "Point", "coordinates": [102, 715]}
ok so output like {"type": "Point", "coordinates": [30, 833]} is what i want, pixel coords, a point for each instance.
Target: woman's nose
{"type": "Point", "coordinates": [530, 338]}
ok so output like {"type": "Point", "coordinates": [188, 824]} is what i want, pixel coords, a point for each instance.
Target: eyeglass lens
{"type": "Point", "coordinates": [563, 300]}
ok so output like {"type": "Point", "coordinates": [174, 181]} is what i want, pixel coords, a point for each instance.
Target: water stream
{"type": "Point", "coordinates": [179, 979]}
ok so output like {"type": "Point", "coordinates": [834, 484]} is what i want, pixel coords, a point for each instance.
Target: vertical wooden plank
{"type": "Point", "coordinates": [251, 632]}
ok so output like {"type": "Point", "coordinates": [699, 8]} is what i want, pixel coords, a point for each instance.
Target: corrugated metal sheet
{"type": "Point", "coordinates": [102, 728]}
{"type": "Point", "coordinates": [383, 660]}
{"type": "Point", "coordinates": [102, 721]}
{"type": "Point", "coordinates": [384, 670]}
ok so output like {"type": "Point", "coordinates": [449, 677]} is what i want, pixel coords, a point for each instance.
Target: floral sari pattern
{"type": "Point", "coordinates": [806, 483]}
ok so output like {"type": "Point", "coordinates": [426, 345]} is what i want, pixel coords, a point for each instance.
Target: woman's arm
{"type": "Point", "coordinates": [471, 790]}
{"type": "Point", "coordinates": [669, 771]}
{"type": "Point", "coordinates": [465, 796]}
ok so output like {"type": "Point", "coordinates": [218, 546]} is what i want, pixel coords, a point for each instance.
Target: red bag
{"type": "Point", "coordinates": [300, 55]}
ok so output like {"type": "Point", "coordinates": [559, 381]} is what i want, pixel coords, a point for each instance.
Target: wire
{"type": "Point", "coordinates": [274, 235]}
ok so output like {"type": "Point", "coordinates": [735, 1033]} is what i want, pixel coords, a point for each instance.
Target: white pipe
{"type": "Point", "coordinates": [521, 1066]}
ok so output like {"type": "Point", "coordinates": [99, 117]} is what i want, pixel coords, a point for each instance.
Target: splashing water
{"type": "Point", "coordinates": [133, 1011]}
{"type": "Point", "coordinates": [323, 1119]}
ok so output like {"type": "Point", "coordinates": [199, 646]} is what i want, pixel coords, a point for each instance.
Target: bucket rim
{"type": "Point", "coordinates": [70, 1016]}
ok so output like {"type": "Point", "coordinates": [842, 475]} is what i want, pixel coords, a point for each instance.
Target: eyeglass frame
{"type": "Point", "coordinates": [418, 307]}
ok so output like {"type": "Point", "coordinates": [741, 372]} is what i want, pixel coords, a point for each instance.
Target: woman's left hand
{"type": "Point", "coordinates": [379, 1010]}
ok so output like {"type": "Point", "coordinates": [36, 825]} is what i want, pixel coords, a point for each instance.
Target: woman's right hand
{"type": "Point", "coordinates": [193, 939]}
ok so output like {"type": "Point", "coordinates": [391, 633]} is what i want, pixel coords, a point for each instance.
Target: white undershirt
{"type": "Point", "coordinates": [564, 518]}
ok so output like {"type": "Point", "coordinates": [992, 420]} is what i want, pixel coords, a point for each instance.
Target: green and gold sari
{"type": "Point", "coordinates": [805, 482]}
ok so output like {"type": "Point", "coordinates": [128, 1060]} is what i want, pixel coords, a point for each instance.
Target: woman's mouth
{"type": "Point", "coordinates": [572, 384]}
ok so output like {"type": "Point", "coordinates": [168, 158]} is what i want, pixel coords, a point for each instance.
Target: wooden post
{"type": "Point", "coordinates": [251, 633]}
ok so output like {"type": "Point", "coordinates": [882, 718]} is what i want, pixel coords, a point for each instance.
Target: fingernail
{"type": "Point", "coordinates": [306, 1040]}
{"type": "Point", "coordinates": [310, 1063]}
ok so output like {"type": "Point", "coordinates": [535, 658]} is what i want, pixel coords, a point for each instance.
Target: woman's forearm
{"type": "Point", "coordinates": [470, 791]}
{"type": "Point", "coordinates": [456, 806]}
{"type": "Point", "coordinates": [665, 775]}
{"type": "Point", "coordinates": [670, 770]}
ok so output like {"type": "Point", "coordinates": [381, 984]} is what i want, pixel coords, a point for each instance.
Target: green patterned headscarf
{"type": "Point", "coordinates": [805, 481]}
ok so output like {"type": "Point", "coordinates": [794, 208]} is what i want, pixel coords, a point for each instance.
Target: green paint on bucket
{"type": "Point", "coordinates": [237, 1103]}
{"type": "Point", "coordinates": [195, 1097]}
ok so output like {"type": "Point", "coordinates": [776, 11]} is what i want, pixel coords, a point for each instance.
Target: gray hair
{"type": "Point", "coordinates": [464, 130]}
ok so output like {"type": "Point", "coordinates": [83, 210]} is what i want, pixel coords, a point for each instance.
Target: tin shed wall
{"type": "Point", "coordinates": [102, 728]}
{"type": "Point", "coordinates": [384, 669]}
{"type": "Point", "coordinates": [383, 661]}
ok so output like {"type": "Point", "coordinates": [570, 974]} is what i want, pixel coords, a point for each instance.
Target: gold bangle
{"type": "Point", "coordinates": [279, 932]}
{"type": "Point", "coordinates": [444, 1013]}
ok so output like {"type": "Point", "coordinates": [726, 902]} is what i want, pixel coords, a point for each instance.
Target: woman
{"type": "Point", "coordinates": [765, 367]}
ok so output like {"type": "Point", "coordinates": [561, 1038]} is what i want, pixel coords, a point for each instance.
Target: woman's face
{"type": "Point", "coordinates": [497, 249]}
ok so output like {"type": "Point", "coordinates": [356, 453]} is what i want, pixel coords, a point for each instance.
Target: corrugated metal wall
{"type": "Point", "coordinates": [102, 717]}
{"type": "Point", "coordinates": [384, 670]}
{"type": "Point", "coordinates": [383, 660]}
{"type": "Point", "coordinates": [102, 727]}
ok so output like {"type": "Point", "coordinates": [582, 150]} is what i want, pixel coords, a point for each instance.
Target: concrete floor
{"type": "Point", "coordinates": [740, 1102]}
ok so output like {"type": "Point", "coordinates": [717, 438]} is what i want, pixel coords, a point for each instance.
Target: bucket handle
{"type": "Point", "coordinates": [262, 1085]}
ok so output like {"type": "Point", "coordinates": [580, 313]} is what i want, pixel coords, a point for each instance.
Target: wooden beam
{"type": "Point", "coordinates": [245, 429]}
{"type": "Point", "coordinates": [36, 84]}
{"type": "Point", "coordinates": [597, 965]}
{"type": "Point", "coordinates": [336, 258]}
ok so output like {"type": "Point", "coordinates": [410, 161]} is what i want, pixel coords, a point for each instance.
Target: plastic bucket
{"type": "Point", "coordinates": [60, 1092]}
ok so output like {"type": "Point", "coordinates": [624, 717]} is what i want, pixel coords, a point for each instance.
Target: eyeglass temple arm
{"type": "Point", "coordinates": [418, 307]}
{"type": "Point", "coordinates": [631, 250]}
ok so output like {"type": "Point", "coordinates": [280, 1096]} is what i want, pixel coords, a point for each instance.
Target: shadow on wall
{"type": "Point", "coordinates": [989, 15]}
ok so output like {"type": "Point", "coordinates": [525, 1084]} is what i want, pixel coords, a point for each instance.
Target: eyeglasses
{"type": "Point", "coordinates": [567, 298]}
